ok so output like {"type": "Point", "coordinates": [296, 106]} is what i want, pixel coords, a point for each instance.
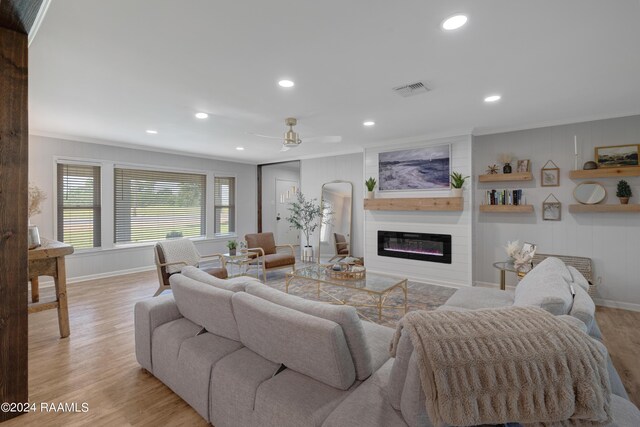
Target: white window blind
{"type": "Point", "coordinates": [78, 210]}
{"type": "Point", "coordinates": [225, 205]}
{"type": "Point", "coordinates": [154, 205]}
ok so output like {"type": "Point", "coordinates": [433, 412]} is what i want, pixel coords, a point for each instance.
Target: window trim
{"type": "Point", "coordinates": [234, 233]}
{"type": "Point", "coordinates": [107, 199]}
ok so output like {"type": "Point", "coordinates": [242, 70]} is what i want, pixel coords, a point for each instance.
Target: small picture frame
{"type": "Point", "coordinates": [528, 248]}
{"type": "Point", "coordinates": [523, 166]}
{"type": "Point", "coordinates": [617, 156]}
{"type": "Point", "coordinates": [550, 175]}
{"type": "Point", "coordinates": [551, 209]}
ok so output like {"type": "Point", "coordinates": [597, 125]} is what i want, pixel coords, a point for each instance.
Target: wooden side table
{"type": "Point", "coordinates": [48, 260]}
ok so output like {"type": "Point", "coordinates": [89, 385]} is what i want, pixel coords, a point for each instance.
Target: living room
{"type": "Point", "coordinates": [439, 162]}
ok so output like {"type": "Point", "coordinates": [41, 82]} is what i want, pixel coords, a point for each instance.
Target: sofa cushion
{"type": "Point", "coordinates": [308, 344]}
{"type": "Point", "coordinates": [165, 347]}
{"type": "Point", "coordinates": [235, 284]}
{"type": "Point", "coordinates": [234, 383]}
{"type": "Point", "coordinates": [578, 278]}
{"type": "Point", "coordinates": [625, 413]}
{"type": "Point", "coordinates": [475, 298]}
{"type": "Point", "coordinates": [207, 306]}
{"type": "Point", "coordinates": [344, 315]}
{"type": "Point", "coordinates": [368, 405]}
{"type": "Point", "coordinates": [279, 260]}
{"type": "Point", "coordinates": [378, 338]}
{"type": "Point", "coordinates": [547, 287]}
{"type": "Point", "coordinates": [293, 399]}
{"type": "Point", "coordinates": [197, 356]}
{"type": "Point", "coordinates": [583, 307]}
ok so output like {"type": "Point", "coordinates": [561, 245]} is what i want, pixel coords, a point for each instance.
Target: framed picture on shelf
{"type": "Point", "coordinates": [550, 176]}
{"type": "Point", "coordinates": [551, 209]}
{"type": "Point", "coordinates": [425, 168]}
{"type": "Point", "coordinates": [523, 166]}
{"type": "Point", "coordinates": [617, 156]}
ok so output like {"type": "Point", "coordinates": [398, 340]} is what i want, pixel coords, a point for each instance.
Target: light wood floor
{"type": "Point", "coordinates": [97, 364]}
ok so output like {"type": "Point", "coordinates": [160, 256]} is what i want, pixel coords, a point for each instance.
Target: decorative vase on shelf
{"type": "Point", "coordinates": [370, 195]}
{"type": "Point", "coordinates": [33, 237]}
{"type": "Point", "coordinates": [506, 168]}
{"type": "Point", "coordinates": [456, 192]}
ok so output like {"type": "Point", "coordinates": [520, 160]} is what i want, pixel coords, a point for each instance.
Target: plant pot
{"type": "Point", "coordinates": [306, 253]}
{"type": "Point", "coordinates": [371, 195]}
{"type": "Point", "coordinates": [506, 168]}
{"type": "Point", "coordinates": [456, 192]}
{"type": "Point", "coordinates": [624, 200]}
{"type": "Point", "coordinates": [232, 251]}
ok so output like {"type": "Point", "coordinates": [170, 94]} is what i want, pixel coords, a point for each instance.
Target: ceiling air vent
{"type": "Point", "coordinates": [411, 89]}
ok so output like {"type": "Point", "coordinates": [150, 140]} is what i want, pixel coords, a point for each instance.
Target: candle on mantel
{"type": "Point", "coordinates": [575, 150]}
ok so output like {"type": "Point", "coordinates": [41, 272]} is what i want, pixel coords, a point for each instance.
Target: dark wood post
{"type": "Point", "coordinates": [16, 17]}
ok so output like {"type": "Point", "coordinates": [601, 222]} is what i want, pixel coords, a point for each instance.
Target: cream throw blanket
{"type": "Point", "coordinates": [517, 364]}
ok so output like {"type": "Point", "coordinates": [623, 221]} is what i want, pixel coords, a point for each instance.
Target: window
{"type": "Point", "coordinates": [78, 194]}
{"type": "Point", "coordinates": [225, 205]}
{"type": "Point", "coordinates": [154, 205]}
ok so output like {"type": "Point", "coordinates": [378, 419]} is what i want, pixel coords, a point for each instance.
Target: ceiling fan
{"type": "Point", "coordinates": [292, 138]}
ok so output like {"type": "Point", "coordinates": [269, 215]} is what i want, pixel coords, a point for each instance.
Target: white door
{"type": "Point", "coordinates": [285, 194]}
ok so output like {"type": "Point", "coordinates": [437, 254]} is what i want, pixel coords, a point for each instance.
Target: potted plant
{"type": "Point", "coordinates": [232, 245]}
{"type": "Point", "coordinates": [457, 182]}
{"type": "Point", "coordinates": [624, 192]}
{"type": "Point", "coordinates": [306, 216]}
{"type": "Point", "coordinates": [371, 185]}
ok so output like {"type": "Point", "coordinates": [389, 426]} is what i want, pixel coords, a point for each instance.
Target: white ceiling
{"type": "Point", "coordinates": [109, 70]}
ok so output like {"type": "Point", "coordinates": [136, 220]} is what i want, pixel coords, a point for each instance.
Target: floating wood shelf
{"type": "Point", "coordinates": [415, 204]}
{"type": "Point", "coordinates": [507, 208]}
{"type": "Point", "coordinates": [504, 177]}
{"type": "Point", "coordinates": [604, 208]}
{"type": "Point", "coordinates": [605, 172]}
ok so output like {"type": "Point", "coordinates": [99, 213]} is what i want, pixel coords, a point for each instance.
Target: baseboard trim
{"type": "Point", "coordinates": [617, 304]}
{"type": "Point", "coordinates": [49, 282]}
{"type": "Point", "coordinates": [422, 280]}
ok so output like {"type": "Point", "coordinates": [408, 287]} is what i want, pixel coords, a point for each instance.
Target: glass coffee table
{"type": "Point", "coordinates": [242, 262]}
{"type": "Point", "coordinates": [377, 286]}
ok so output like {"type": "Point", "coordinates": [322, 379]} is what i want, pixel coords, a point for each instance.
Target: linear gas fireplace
{"type": "Point", "coordinates": [419, 246]}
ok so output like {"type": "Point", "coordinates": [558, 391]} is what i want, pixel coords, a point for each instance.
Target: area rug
{"type": "Point", "coordinates": [421, 296]}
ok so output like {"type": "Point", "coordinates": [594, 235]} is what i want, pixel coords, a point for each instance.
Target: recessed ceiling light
{"type": "Point", "coordinates": [240, 148]}
{"type": "Point", "coordinates": [454, 22]}
{"type": "Point", "coordinates": [286, 83]}
{"type": "Point", "coordinates": [369, 123]}
{"type": "Point", "coordinates": [152, 132]}
{"type": "Point", "coordinates": [492, 98]}
{"type": "Point", "coordinates": [201, 115]}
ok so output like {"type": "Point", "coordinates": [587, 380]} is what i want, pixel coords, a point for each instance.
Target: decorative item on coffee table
{"type": "Point", "coordinates": [346, 271]}
{"type": "Point", "coordinates": [457, 184]}
{"type": "Point", "coordinates": [371, 185]}
{"type": "Point", "coordinates": [232, 245]}
{"type": "Point", "coordinates": [505, 159]}
{"type": "Point", "coordinates": [624, 192]}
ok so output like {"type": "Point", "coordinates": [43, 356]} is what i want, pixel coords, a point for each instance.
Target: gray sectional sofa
{"type": "Point", "coordinates": [241, 353]}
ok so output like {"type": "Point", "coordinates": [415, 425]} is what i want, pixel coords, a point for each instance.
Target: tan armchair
{"type": "Point", "coordinates": [342, 247]}
{"type": "Point", "coordinates": [174, 254]}
{"type": "Point", "coordinates": [268, 257]}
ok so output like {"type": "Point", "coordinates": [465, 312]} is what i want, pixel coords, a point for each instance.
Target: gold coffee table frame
{"type": "Point", "coordinates": [377, 286]}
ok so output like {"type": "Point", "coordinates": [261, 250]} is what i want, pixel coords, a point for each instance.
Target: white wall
{"type": "Point", "coordinates": [611, 240]}
{"type": "Point", "coordinates": [458, 224]}
{"type": "Point", "coordinates": [315, 172]}
{"type": "Point", "coordinates": [110, 259]}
